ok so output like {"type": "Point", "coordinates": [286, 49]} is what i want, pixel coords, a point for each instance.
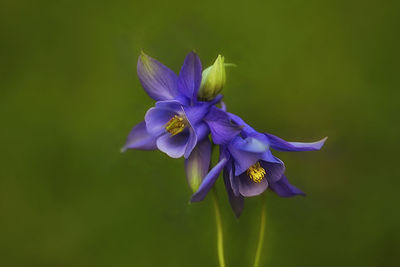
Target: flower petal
{"type": "Point", "coordinates": [192, 141]}
{"type": "Point", "coordinates": [267, 156]}
{"type": "Point", "coordinates": [209, 181]}
{"type": "Point", "coordinates": [171, 105]}
{"type": "Point", "coordinates": [173, 146]}
{"type": "Point", "coordinates": [196, 113]}
{"type": "Point", "coordinates": [198, 129]}
{"type": "Point", "coordinates": [190, 76]}
{"type": "Point", "coordinates": [274, 171]}
{"type": "Point", "coordinates": [201, 130]}
{"type": "Point", "coordinates": [223, 106]}
{"type": "Point", "coordinates": [236, 200]}
{"type": "Point", "coordinates": [249, 188]}
{"type": "Point", "coordinates": [251, 144]}
{"type": "Point", "coordinates": [229, 168]}
{"type": "Point", "coordinates": [156, 119]}
{"type": "Point", "coordinates": [282, 145]}
{"type": "Point", "coordinates": [221, 127]}
{"type": "Point", "coordinates": [159, 82]}
{"type": "Point", "coordinates": [196, 166]}
{"type": "Point", "coordinates": [245, 152]}
{"type": "Point", "coordinates": [197, 133]}
{"type": "Point", "coordinates": [140, 139]}
{"type": "Point", "coordinates": [239, 121]}
{"type": "Point", "coordinates": [283, 188]}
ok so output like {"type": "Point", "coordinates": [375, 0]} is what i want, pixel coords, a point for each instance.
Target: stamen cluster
{"type": "Point", "coordinates": [256, 173]}
{"type": "Point", "coordinates": [175, 125]}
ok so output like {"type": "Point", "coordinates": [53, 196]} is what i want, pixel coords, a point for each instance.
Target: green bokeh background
{"type": "Point", "coordinates": [69, 95]}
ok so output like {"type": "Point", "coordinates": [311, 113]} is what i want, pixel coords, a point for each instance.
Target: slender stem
{"type": "Point", "coordinates": [220, 241]}
{"type": "Point", "coordinates": [261, 234]}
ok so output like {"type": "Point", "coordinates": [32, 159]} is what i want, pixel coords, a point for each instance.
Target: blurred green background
{"type": "Point", "coordinates": [69, 95]}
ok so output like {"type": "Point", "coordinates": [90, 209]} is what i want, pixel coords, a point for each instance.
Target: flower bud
{"type": "Point", "coordinates": [198, 163]}
{"type": "Point", "coordinates": [213, 80]}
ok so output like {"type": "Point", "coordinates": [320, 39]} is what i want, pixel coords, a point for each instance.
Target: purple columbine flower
{"type": "Point", "coordinates": [250, 168]}
{"type": "Point", "coordinates": [178, 121]}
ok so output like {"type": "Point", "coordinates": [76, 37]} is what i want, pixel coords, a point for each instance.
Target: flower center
{"type": "Point", "coordinates": [256, 173]}
{"type": "Point", "coordinates": [175, 125]}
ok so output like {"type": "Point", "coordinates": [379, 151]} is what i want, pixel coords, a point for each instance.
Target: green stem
{"type": "Point", "coordinates": [220, 241]}
{"type": "Point", "coordinates": [261, 234]}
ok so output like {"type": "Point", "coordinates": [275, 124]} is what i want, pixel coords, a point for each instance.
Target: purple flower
{"type": "Point", "coordinates": [178, 121]}
{"type": "Point", "coordinates": [222, 132]}
{"type": "Point", "coordinates": [178, 128]}
{"type": "Point", "coordinates": [250, 168]}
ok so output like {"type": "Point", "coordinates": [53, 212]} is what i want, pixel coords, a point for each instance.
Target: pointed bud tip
{"type": "Point", "coordinates": [143, 55]}
{"type": "Point", "coordinates": [213, 79]}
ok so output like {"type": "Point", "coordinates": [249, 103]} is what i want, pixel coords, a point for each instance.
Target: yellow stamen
{"type": "Point", "coordinates": [256, 173]}
{"type": "Point", "coordinates": [175, 125]}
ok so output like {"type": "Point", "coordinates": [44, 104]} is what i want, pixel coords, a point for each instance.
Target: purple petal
{"type": "Point", "coordinates": [243, 154]}
{"type": "Point", "coordinates": [239, 121]}
{"type": "Point", "coordinates": [171, 105]}
{"type": "Point", "coordinates": [159, 82]}
{"type": "Point", "coordinates": [140, 139]}
{"type": "Point", "coordinates": [201, 130]}
{"type": "Point", "coordinates": [274, 171]}
{"type": "Point", "coordinates": [223, 106]}
{"type": "Point", "coordinates": [229, 168]}
{"type": "Point", "coordinates": [222, 129]}
{"type": "Point", "coordinates": [267, 156]}
{"type": "Point", "coordinates": [217, 99]}
{"type": "Point", "coordinates": [283, 188]}
{"type": "Point", "coordinates": [173, 146]}
{"type": "Point", "coordinates": [156, 119]}
{"type": "Point", "coordinates": [196, 166]}
{"type": "Point", "coordinates": [197, 133]}
{"type": "Point", "coordinates": [198, 129]}
{"type": "Point", "coordinates": [196, 113]}
{"type": "Point", "coordinates": [236, 200]}
{"type": "Point", "coordinates": [250, 144]}
{"type": "Point", "coordinates": [190, 76]}
{"type": "Point", "coordinates": [209, 181]}
{"type": "Point", "coordinates": [282, 145]}
{"type": "Point", "coordinates": [249, 188]}
{"type": "Point", "coordinates": [191, 143]}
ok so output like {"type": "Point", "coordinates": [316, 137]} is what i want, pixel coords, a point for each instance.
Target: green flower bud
{"type": "Point", "coordinates": [213, 80]}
